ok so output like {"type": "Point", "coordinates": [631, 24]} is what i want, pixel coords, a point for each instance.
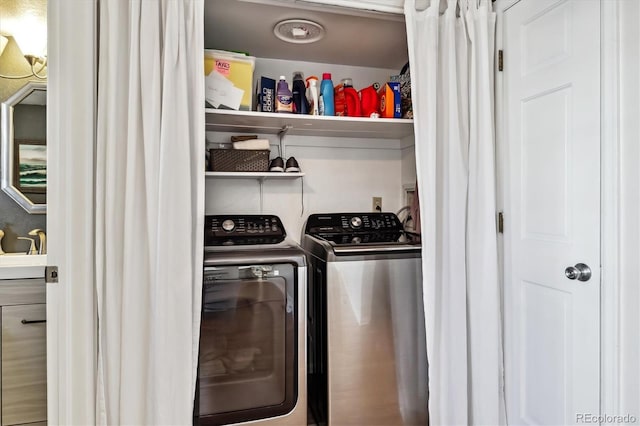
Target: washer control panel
{"type": "Point", "coordinates": [243, 229]}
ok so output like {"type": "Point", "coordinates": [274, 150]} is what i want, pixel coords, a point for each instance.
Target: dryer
{"type": "Point", "coordinates": [367, 342]}
{"type": "Point", "coordinates": [252, 358]}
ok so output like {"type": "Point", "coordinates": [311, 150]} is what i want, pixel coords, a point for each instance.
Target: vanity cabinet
{"type": "Point", "coordinates": [23, 365]}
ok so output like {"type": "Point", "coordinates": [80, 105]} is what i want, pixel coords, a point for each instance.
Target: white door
{"type": "Point", "coordinates": [552, 119]}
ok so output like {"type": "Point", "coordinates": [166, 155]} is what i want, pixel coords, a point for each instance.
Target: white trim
{"type": "Point", "coordinates": [344, 7]}
{"type": "Point", "coordinates": [387, 6]}
{"type": "Point", "coordinates": [71, 313]}
{"type": "Point", "coordinates": [610, 206]}
{"type": "Point", "coordinates": [503, 199]}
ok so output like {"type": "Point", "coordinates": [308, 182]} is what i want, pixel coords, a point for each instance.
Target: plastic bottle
{"type": "Point", "coordinates": [300, 105]}
{"type": "Point", "coordinates": [284, 98]}
{"type": "Point", "coordinates": [339, 104]}
{"type": "Point", "coordinates": [369, 101]}
{"type": "Point", "coordinates": [326, 95]}
{"type": "Point", "coordinates": [312, 95]}
{"type": "Point", "coordinates": [351, 98]}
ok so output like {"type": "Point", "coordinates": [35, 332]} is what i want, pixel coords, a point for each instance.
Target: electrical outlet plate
{"type": "Point", "coordinates": [376, 205]}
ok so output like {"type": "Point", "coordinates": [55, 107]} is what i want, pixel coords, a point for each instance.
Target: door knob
{"type": "Point", "coordinates": [580, 272]}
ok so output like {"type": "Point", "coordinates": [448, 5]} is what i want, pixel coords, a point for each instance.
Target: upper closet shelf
{"type": "Point", "coordinates": [222, 120]}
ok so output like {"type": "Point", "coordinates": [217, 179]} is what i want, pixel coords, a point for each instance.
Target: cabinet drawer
{"type": "Point", "coordinates": [24, 365]}
{"type": "Point", "coordinates": [23, 291]}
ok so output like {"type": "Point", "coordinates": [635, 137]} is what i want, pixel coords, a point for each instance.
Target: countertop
{"type": "Point", "coordinates": [15, 266]}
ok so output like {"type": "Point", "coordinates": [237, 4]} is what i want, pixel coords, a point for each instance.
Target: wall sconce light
{"type": "Point", "coordinates": [31, 39]}
{"type": "Point", "coordinates": [32, 59]}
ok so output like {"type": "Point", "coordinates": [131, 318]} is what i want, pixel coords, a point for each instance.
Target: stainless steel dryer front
{"type": "Point", "coordinates": [367, 343]}
{"type": "Point", "coordinates": [252, 360]}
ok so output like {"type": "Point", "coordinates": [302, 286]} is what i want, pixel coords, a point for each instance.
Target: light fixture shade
{"type": "Point", "coordinates": [31, 36]}
{"type": "Point", "coordinates": [3, 43]}
{"type": "Point", "coordinates": [31, 44]}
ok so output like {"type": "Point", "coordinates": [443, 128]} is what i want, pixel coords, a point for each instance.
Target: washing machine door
{"type": "Point", "coordinates": [248, 362]}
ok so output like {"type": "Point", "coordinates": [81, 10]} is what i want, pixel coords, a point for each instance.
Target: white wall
{"type": "Point", "coordinates": [341, 175]}
{"type": "Point", "coordinates": [408, 162]}
{"type": "Point", "coordinates": [629, 296]}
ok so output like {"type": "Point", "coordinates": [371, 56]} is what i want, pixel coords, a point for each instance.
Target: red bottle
{"type": "Point", "coordinates": [369, 102]}
{"type": "Point", "coordinates": [351, 99]}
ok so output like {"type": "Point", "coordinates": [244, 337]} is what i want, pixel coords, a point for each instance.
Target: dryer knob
{"type": "Point", "coordinates": [356, 222]}
{"type": "Point", "coordinates": [228, 225]}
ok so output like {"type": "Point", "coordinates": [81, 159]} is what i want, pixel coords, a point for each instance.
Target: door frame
{"type": "Point", "coordinates": [610, 226]}
{"type": "Point", "coordinates": [71, 307]}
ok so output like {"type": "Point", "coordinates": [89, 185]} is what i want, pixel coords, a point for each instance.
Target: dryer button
{"type": "Point", "coordinates": [228, 225]}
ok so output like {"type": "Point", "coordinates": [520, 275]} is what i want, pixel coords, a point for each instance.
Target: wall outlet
{"type": "Point", "coordinates": [376, 204]}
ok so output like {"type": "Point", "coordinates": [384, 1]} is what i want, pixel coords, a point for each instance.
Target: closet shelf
{"type": "Point", "coordinates": [261, 176]}
{"type": "Point", "coordinates": [222, 120]}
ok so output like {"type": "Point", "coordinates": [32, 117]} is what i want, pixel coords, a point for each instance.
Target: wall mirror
{"type": "Point", "coordinates": [23, 146]}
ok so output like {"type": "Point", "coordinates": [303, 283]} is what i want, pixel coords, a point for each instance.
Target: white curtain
{"type": "Point", "coordinates": [149, 203]}
{"type": "Point", "coordinates": [451, 52]}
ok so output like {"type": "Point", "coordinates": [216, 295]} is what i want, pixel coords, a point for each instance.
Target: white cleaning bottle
{"type": "Point", "coordinates": [312, 95]}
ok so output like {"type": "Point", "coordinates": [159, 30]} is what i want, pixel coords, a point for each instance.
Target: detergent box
{"type": "Point", "coordinates": [229, 79]}
{"type": "Point", "coordinates": [266, 94]}
{"type": "Point", "coordinates": [390, 100]}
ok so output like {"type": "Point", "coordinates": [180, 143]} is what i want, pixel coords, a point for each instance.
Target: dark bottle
{"type": "Point", "coordinates": [300, 104]}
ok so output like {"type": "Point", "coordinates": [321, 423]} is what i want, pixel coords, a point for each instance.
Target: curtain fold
{"type": "Point", "coordinates": [150, 204]}
{"type": "Point", "coordinates": [451, 46]}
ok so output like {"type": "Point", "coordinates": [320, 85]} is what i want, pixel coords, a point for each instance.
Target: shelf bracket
{"type": "Point", "coordinates": [281, 135]}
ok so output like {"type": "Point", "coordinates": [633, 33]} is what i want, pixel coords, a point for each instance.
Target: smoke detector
{"type": "Point", "coordinates": [298, 31]}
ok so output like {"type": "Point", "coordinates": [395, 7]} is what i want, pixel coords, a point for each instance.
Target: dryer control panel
{"type": "Point", "coordinates": [243, 229]}
{"type": "Point", "coordinates": [339, 223]}
{"type": "Point", "coordinates": [358, 228]}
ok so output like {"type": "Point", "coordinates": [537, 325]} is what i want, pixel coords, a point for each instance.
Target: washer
{"type": "Point", "coordinates": [367, 344]}
{"type": "Point", "coordinates": [252, 360]}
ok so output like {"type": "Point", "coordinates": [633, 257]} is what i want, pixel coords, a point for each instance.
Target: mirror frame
{"type": "Point", "coordinates": [7, 147]}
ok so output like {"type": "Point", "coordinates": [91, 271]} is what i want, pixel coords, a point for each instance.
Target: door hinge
{"type": "Point", "coordinates": [500, 60]}
{"type": "Point", "coordinates": [51, 274]}
{"type": "Point", "coordinates": [500, 223]}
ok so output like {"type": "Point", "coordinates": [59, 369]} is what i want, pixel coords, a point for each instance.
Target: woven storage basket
{"type": "Point", "coordinates": [239, 160]}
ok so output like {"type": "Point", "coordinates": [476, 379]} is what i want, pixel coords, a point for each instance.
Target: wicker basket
{"type": "Point", "coordinates": [238, 160]}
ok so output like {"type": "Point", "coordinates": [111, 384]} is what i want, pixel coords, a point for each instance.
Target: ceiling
{"type": "Point", "coordinates": [357, 38]}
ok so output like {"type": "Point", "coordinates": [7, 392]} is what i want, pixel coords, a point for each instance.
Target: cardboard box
{"type": "Point", "coordinates": [390, 100]}
{"type": "Point", "coordinates": [229, 79]}
{"type": "Point", "coordinates": [266, 94]}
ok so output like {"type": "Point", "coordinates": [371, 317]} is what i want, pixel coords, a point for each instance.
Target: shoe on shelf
{"type": "Point", "coordinates": [276, 165]}
{"type": "Point", "coordinates": [292, 165]}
